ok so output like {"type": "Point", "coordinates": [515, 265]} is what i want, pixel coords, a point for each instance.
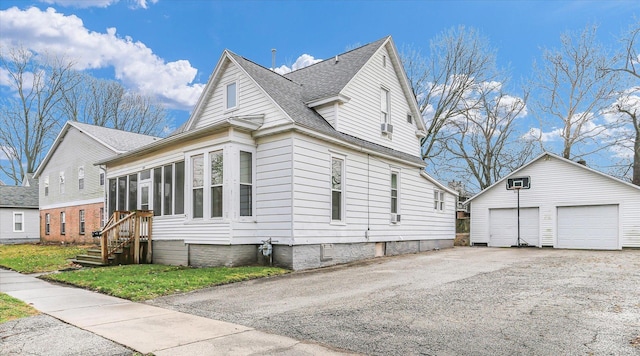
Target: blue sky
{"type": "Point", "coordinates": [168, 48]}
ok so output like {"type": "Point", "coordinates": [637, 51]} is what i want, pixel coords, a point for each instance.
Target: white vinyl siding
{"type": "Point", "coordinates": [250, 98]}
{"type": "Point", "coordinates": [365, 93]}
{"type": "Point", "coordinates": [549, 190]}
{"type": "Point", "coordinates": [30, 224]}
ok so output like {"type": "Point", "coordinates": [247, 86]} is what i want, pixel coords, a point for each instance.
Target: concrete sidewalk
{"type": "Point", "coordinates": [149, 329]}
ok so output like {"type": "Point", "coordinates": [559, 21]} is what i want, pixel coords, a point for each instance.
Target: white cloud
{"type": "Point", "coordinates": [536, 134]}
{"type": "Point", "coordinates": [304, 60]}
{"type": "Point", "coordinates": [83, 4]}
{"type": "Point", "coordinates": [134, 63]}
{"type": "Point", "coordinates": [7, 153]}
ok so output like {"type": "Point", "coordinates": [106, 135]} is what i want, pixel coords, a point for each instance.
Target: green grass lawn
{"type": "Point", "coordinates": [12, 308]}
{"type": "Point", "coordinates": [143, 282]}
{"type": "Point", "coordinates": [33, 258]}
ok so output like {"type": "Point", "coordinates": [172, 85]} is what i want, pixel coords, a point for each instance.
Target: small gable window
{"type": "Point", "coordinates": [231, 95]}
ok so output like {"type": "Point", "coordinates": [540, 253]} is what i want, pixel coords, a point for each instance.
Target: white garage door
{"type": "Point", "coordinates": [588, 227]}
{"type": "Point", "coordinates": [503, 227]}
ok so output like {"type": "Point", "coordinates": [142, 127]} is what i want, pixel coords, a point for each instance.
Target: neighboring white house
{"type": "Point", "coordinates": [72, 188]}
{"type": "Point", "coordinates": [568, 205]}
{"type": "Point", "coordinates": [324, 161]}
{"type": "Point", "coordinates": [19, 212]}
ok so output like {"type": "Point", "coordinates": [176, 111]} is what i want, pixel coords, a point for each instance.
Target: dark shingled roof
{"type": "Point", "coordinates": [318, 81]}
{"type": "Point", "coordinates": [20, 196]}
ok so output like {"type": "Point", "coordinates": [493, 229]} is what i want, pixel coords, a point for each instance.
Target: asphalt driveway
{"type": "Point", "coordinates": [480, 301]}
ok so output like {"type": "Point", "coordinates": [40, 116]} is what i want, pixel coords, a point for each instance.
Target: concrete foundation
{"type": "Point", "coordinates": [298, 257]}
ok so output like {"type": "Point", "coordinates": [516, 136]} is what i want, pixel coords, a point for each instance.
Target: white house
{"type": "Point", "coordinates": [323, 161]}
{"type": "Point", "coordinates": [73, 188]}
{"type": "Point", "coordinates": [19, 212]}
{"type": "Point", "coordinates": [568, 205]}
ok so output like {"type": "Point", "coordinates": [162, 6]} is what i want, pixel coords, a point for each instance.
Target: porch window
{"type": "Point", "coordinates": [122, 193]}
{"type": "Point", "coordinates": [179, 188]}
{"type": "Point", "coordinates": [197, 185]}
{"type": "Point", "coordinates": [168, 189]}
{"type": "Point", "coordinates": [81, 221]}
{"type": "Point", "coordinates": [63, 223]}
{"type": "Point", "coordinates": [18, 222]}
{"type": "Point", "coordinates": [337, 170]}
{"type": "Point", "coordinates": [81, 178]}
{"type": "Point", "coordinates": [246, 179]}
{"type": "Point", "coordinates": [133, 192]}
{"type": "Point", "coordinates": [438, 200]}
{"type": "Point", "coordinates": [157, 191]}
{"type": "Point", "coordinates": [47, 223]}
{"type": "Point", "coordinates": [217, 165]}
{"type": "Point", "coordinates": [112, 195]}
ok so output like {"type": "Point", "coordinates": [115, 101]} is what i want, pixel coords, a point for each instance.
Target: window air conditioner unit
{"type": "Point", "coordinates": [395, 218]}
{"type": "Point", "coordinates": [386, 128]}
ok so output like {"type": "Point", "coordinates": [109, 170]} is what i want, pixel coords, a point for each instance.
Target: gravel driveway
{"type": "Point", "coordinates": [480, 301]}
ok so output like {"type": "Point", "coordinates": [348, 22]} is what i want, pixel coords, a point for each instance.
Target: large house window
{"type": "Point", "coordinates": [81, 222]}
{"type": "Point", "coordinates": [80, 178]}
{"type": "Point", "coordinates": [231, 95]}
{"type": "Point", "coordinates": [384, 106]}
{"type": "Point", "coordinates": [18, 222]}
{"type": "Point", "coordinates": [47, 223]}
{"type": "Point", "coordinates": [246, 180]}
{"type": "Point", "coordinates": [46, 186]}
{"type": "Point", "coordinates": [394, 193]}
{"type": "Point", "coordinates": [217, 165]}
{"type": "Point", "coordinates": [197, 185]}
{"type": "Point", "coordinates": [337, 184]}
{"type": "Point", "coordinates": [61, 182]}
{"type": "Point", "coordinates": [438, 200]}
{"type": "Point", "coordinates": [63, 223]}
{"type": "Point", "coordinates": [122, 193]}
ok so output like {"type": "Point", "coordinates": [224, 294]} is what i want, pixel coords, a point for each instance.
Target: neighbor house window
{"type": "Point", "coordinates": [197, 185]}
{"type": "Point", "coordinates": [81, 178]}
{"type": "Point", "coordinates": [409, 119]}
{"type": "Point", "coordinates": [63, 223]}
{"type": "Point", "coordinates": [394, 193]}
{"type": "Point", "coordinates": [47, 223]}
{"type": "Point", "coordinates": [384, 106]}
{"type": "Point", "coordinates": [101, 179]}
{"type": "Point", "coordinates": [232, 95]}
{"type": "Point", "coordinates": [337, 184]}
{"type": "Point", "coordinates": [81, 222]}
{"type": "Point", "coordinates": [61, 182]}
{"type": "Point", "coordinates": [217, 165]}
{"type": "Point", "coordinates": [18, 222]}
{"type": "Point", "coordinates": [46, 186]}
{"type": "Point", "coordinates": [438, 200]}
{"type": "Point", "coordinates": [246, 179]}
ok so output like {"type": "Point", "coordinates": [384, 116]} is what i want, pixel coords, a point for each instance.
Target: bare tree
{"type": "Point", "coordinates": [574, 89]}
{"type": "Point", "coordinates": [485, 143]}
{"type": "Point", "coordinates": [107, 103]}
{"type": "Point", "coordinates": [458, 59]}
{"type": "Point", "coordinates": [628, 103]}
{"type": "Point", "coordinates": [29, 114]}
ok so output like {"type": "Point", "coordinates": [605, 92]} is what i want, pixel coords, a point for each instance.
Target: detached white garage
{"type": "Point", "coordinates": [596, 211]}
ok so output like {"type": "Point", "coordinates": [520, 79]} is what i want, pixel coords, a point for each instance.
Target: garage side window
{"type": "Point", "coordinates": [438, 200]}
{"type": "Point", "coordinates": [18, 222]}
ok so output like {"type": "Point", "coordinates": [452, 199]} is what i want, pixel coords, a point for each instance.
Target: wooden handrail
{"type": "Point", "coordinates": [124, 228]}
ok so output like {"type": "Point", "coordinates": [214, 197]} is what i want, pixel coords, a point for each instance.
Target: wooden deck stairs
{"type": "Point", "coordinates": [125, 239]}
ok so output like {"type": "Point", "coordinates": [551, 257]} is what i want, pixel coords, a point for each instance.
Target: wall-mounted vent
{"type": "Point", "coordinates": [386, 128]}
{"type": "Point", "coordinates": [326, 252]}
